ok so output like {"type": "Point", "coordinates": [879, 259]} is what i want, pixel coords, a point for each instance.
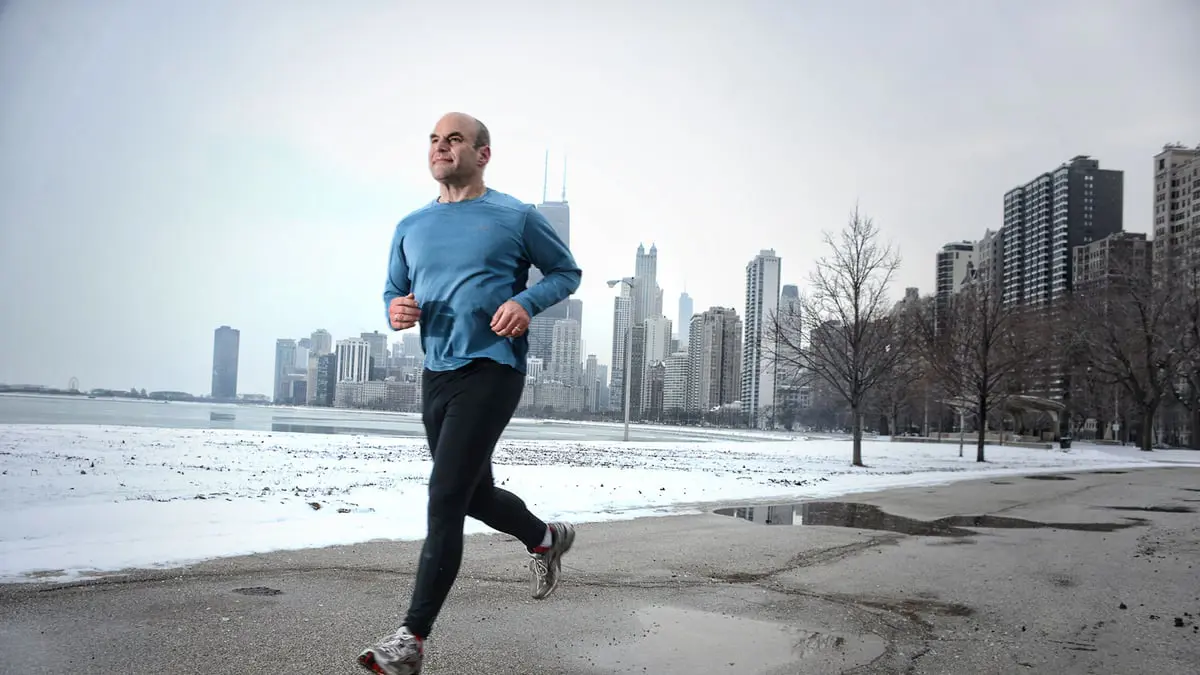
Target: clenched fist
{"type": "Point", "coordinates": [511, 320]}
{"type": "Point", "coordinates": [404, 312]}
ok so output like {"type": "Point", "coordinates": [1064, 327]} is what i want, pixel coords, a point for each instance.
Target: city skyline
{"type": "Point", "coordinates": [247, 194]}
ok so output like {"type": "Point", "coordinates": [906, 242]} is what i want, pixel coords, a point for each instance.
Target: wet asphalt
{"type": "Point", "coordinates": [1094, 573]}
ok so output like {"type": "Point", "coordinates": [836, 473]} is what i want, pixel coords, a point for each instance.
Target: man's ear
{"type": "Point", "coordinates": [485, 155]}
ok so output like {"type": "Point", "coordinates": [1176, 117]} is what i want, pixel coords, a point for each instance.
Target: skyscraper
{"type": "Point", "coordinates": [321, 342]}
{"type": "Point", "coordinates": [787, 371]}
{"type": "Point", "coordinates": [657, 347]}
{"type": "Point", "coordinates": [647, 296]}
{"type": "Point", "coordinates": [353, 360]}
{"type": "Point", "coordinates": [1046, 218]}
{"type": "Point", "coordinates": [758, 370]}
{"type": "Point", "coordinates": [1176, 193]}
{"type": "Point", "coordinates": [954, 263]}
{"type": "Point", "coordinates": [714, 359]}
{"type": "Point", "coordinates": [541, 328]}
{"type": "Point", "coordinates": [565, 354]}
{"type": "Point", "coordinates": [684, 319]}
{"type": "Point", "coordinates": [378, 346]}
{"type": "Point", "coordinates": [285, 369]}
{"type": "Point", "coordinates": [226, 344]}
{"type": "Point", "coordinates": [622, 313]}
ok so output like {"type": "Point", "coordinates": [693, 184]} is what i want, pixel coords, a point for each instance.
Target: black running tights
{"type": "Point", "coordinates": [465, 411]}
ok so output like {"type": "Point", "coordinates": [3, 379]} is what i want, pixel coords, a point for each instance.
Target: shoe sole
{"type": "Point", "coordinates": [558, 561]}
{"type": "Point", "coordinates": [367, 660]}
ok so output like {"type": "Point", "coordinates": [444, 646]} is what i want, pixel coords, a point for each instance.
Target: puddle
{"type": "Point", "coordinates": [258, 590]}
{"type": "Point", "coordinates": [678, 640]}
{"type": "Point", "coordinates": [871, 517]}
{"type": "Point", "coordinates": [1105, 472]}
{"type": "Point", "coordinates": [1153, 509]}
{"type": "Point", "coordinates": [1048, 476]}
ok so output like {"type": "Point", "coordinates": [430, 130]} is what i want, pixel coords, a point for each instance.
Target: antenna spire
{"type": "Point", "coordinates": [545, 174]}
{"type": "Point", "coordinates": [564, 185]}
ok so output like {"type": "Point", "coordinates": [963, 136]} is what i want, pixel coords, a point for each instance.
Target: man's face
{"type": "Point", "coordinates": [452, 153]}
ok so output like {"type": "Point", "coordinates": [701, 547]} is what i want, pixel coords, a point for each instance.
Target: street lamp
{"type": "Point", "coordinates": [631, 283]}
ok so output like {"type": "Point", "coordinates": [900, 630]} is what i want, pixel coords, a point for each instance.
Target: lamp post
{"type": "Point", "coordinates": [631, 283]}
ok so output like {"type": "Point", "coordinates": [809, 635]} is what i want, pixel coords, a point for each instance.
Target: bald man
{"type": "Point", "coordinates": [459, 267]}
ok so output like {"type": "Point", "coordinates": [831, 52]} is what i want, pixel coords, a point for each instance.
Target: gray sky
{"type": "Point", "coordinates": [169, 167]}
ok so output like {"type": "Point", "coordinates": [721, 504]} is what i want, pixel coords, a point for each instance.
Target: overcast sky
{"type": "Point", "coordinates": [168, 167]}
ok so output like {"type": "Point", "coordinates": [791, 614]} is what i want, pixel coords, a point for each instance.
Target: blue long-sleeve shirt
{"type": "Point", "coordinates": [462, 260]}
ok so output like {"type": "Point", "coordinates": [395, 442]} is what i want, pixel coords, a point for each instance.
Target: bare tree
{"type": "Point", "coordinates": [1186, 389]}
{"type": "Point", "coordinates": [974, 344]}
{"type": "Point", "coordinates": [843, 334]}
{"type": "Point", "coordinates": [1128, 327]}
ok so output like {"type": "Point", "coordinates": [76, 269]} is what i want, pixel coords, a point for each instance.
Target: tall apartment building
{"type": "Point", "coordinates": [714, 359]}
{"type": "Point", "coordinates": [637, 369]}
{"type": "Point", "coordinates": [758, 371]}
{"type": "Point", "coordinates": [622, 320]}
{"type": "Point", "coordinates": [1177, 204]}
{"type": "Point", "coordinates": [565, 353]}
{"type": "Point", "coordinates": [955, 263]}
{"type": "Point", "coordinates": [988, 268]}
{"type": "Point", "coordinates": [1046, 218]}
{"type": "Point", "coordinates": [675, 382]}
{"type": "Point", "coordinates": [535, 367]}
{"type": "Point", "coordinates": [657, 348]}
{"type": "Point", "coordinates": [1120, 254]}
{"type": "Point", "coordinates": [353, 360]}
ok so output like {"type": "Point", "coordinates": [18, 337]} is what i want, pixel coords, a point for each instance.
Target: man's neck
{"type": "Point", "coordinates": [461, 193]}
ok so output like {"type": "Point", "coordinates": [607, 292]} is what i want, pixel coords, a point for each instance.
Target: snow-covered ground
{"type": "Point", "coordinates": [90, 499]}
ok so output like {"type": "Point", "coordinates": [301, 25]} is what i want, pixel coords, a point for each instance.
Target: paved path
{"type": "Point", "coordinates": [691, 594]}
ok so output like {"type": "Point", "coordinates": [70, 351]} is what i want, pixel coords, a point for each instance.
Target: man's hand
{"type": "Point", "coordinates": [511, 320]}
{"type": "Point", "coordinates": [404, 312]}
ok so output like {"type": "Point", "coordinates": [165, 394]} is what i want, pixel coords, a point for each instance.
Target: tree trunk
{"type": "Point", "coordinates": [981, 415]}
{"type": "Point", "coordinates": [1194, 431]}
{"type": "Point", "coordinates": [1147, 438]}
{"type": "Point", "coordinates": [856, 430]}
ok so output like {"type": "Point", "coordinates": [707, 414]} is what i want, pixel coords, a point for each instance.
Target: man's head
{"type": "Point", "coordinates": [459, 149]}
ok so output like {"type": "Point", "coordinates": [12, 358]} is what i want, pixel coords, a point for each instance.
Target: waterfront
{"type": "Point", "coordinates": [42, 409]}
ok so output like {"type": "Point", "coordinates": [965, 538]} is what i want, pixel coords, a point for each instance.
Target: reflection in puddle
{"type": "Point", "coordinates": [1048, 476]}
{"type": "Point", "coordinates": [678, 640]}
{"type": "Point", "coordinates": [291, 427]}
{"type": "Point", "coordinates": [870, 517]}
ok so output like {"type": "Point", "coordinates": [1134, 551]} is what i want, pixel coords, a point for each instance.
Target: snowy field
{"type": "Point", "coordinates": [85, 500]}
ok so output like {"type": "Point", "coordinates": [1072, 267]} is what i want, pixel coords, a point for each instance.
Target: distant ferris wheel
{"type": "Point", "coordinates": [73, 384]}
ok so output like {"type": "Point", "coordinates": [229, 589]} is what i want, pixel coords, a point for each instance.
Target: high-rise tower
{"type": "Point", "coordinates": [1046, 218]}
{"type": "Point", "coordinates": [226, 343]}
{"type": "Point", "coordinates": [758, 369]}
{"type": "Point", "coordinates": [541, 329]}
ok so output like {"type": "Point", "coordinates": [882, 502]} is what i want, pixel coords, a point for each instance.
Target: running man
{"type": "Point", "coordinates": [459, 267]}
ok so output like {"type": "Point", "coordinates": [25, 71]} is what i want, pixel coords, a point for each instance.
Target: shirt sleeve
{"type": "Point", "coordinates": [547, 251]}
{"type": "Point", "coordinates": [398, 283]}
